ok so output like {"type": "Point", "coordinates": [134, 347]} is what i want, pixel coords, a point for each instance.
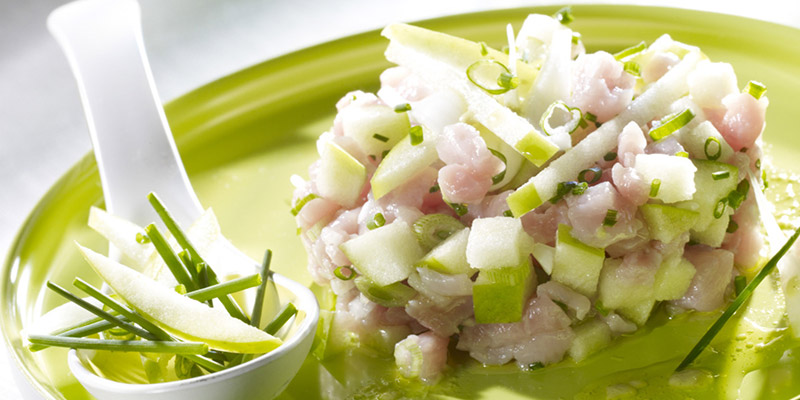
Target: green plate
{"type": "Point", "coordinates": [243, 136]}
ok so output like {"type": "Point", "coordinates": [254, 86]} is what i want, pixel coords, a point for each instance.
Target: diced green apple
{"type": "Point", "coordinates": [179, 315]}
{"type": "Point", "coordinates": [363, 123]}
{"type": "Point", "coordinates": [631, 295]}
{"type": "Point", "coordinates": [341, 176]}
{"type": "Point", "coordinates": [385, 255]}
{"type": "Point", "coordinates": [705, 201]}
{"type": "Point", "coordinates": [673, 278]}
{"type": "Point", "coordinates": [450, 256]}
{"type": "Point", "coordinates": [500, 296]}
{"type": "Point", "coordinates": [666, 223]}
{"type": "Point", "coordinates": [590, 337]}
{"type": "Point", "coordinates": [393, 295]}
{"type": "Point", "coordinates": [597, 144]}
{"type": "Point", "coordinates": [575, 263]}
{"type": "Point", "coordinates": [404, 162]}
{"type": "Point", "coordinates": [497, 242]}
{"type": "Point", "coordinates": [675, 174]}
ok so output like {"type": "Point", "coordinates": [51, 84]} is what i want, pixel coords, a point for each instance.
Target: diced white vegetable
{"type": "Point", "coordinates": [675, 173]}
{"type": "Point", "coordinates": [710, 82]}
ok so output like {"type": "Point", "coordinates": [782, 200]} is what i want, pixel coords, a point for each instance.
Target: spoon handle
{"type": "Point", "coordinates": [132, 142]}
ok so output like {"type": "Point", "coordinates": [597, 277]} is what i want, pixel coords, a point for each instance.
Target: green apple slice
{"type": "Point", "coordinates": [666, 223]}
{"type": "Point", "coordinates": [513, 129]}
{"type": "Point", "coordinates": [403, 162]}
{"type": "Point", "coordinates": [122, 234]}
{"type": "Point", "coordinates": [181, 316]}
{"type": "Point", "coordinates": [643, 109]}
{"type": "Point", "coordinates": [385, 255]}
{"type": "Point", "coordinates": [575, 263]}
{"type": "Point", "coordinates": [341, 176]}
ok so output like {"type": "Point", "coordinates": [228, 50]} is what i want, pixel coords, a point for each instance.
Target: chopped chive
{"type": "Point", "coordinates": [764, 179]}
{"type": "Point", "coordinates": [740, 299]}
{"type": "Point", "coordinates": [116, 321]}
{"type": "Point", "coordinates": [611, 218]}
{"type": "Point", "coordinates": [380, 137]}
{"type": "Point", "coordinates": [534, 366]}
{"type": "Point", "coordinates": [682, 154]}
{"type": "Point", "coordinates": [507, 81]}
{"type": "Point", "coordinates": [719, 175]}
{"type": "Point", "coordinates": [153, 331]}
{"type": "Point", "coordinates": [732, 226]}
{"type": "Point", "coordinates": [739, 283]}
{"type": "Point", "coordinates": [434, 188]}
{"type": "Point", "coordinates": [288, 312]}
{"type": "Point", "coordinates": [576, 37]}
{"type": "Point", "coordinates": [384, 153]}
{"type": "Point", "coordinates": [593, 118]}
{"type": "Point", "coordinates": [84, 329]}
{"type": "Point", "coordinates": [460, 209]}
{"type": "Point", "coordinates": [141, 238]}
{"type": "Point", "coordinates": [377, 221]}
{"type": "Point", "coordinates": [415, 135]}
{"type": "Point", "coordinates": [564, 15]}
{"type": "Point", "coordinates": [225, 288]}
{"type": "Point", "coordinates": [719, 209]}
{"type": "Point", "coordinates": [655, 185]}
{"type": "Point", "coordinates": [168, 255]}
{"type": "Point", "coordinates": [580, 188]}
{"type": "Point", "coordinates": [180, 289]}
{"type": "Point", "coordinates": [610, 156]}
{"type": "Point", "coordinates": [508, 213]}
{"type": "Point", "coordinates": [562, 189]}
{"type": "Point", "coordinates": [755, 89]}
{"type": "Point", "coordinates": [402, 107]}
{"type": "Point", "coordinates": [671, 123]}
{"type": "Point", "coordinates": [505, 50]}
{"type": "Point", "coordinates": [209, 277]}
{"type": "Point", "coordinates": [758, 164]}
{"type": "Point", "coordinates": [474, 69]}
{"type": "Point", "coordinates": [598, 305]}
{"type": "Point", "coordinates": [596, 174]}
{"type": "Point", "coordinates": [372, 157]}
{"type": "Point", "coordinates": [560, 304]}
{"type": "Point", "coordinates": [500, 176]}
{"type": "Point", "coordinates": [739, 195]}
{"type": "Point", "coordinates": [632, 68]}
{"type": "Point", "coordinates": [141, 346]}
{"type": "Point", "coordinates": [186, 259]}
{"type": "Point", "coordinates": [484, 49]}
{"type": "Point", "coordinates": [339, 273]}
{"type": "Point", "coordinates": [712, 155]}
{"type": "Point", "coordinates": [302, 202]}
{"type": "Point", "coordinates": [258, 305]}
{"type": "Point", "coordinates": [630, 51]}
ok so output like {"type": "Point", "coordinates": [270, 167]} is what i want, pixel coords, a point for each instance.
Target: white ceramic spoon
{"type": "Point", "coordinates": [136, 155]}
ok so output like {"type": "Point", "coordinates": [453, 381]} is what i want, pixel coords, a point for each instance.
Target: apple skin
{"type": "Point", "coordinates": [181, 316]}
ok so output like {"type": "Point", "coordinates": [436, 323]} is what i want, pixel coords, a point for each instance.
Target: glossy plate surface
{"type": "Point", "coordinates": [242, 137]}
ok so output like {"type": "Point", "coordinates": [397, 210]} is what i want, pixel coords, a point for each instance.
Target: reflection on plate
{"type": "Point", "coordinates": [243, 136]}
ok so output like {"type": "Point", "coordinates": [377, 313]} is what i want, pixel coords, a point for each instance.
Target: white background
{"type": "Point", "coordinates": [190, 43]}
